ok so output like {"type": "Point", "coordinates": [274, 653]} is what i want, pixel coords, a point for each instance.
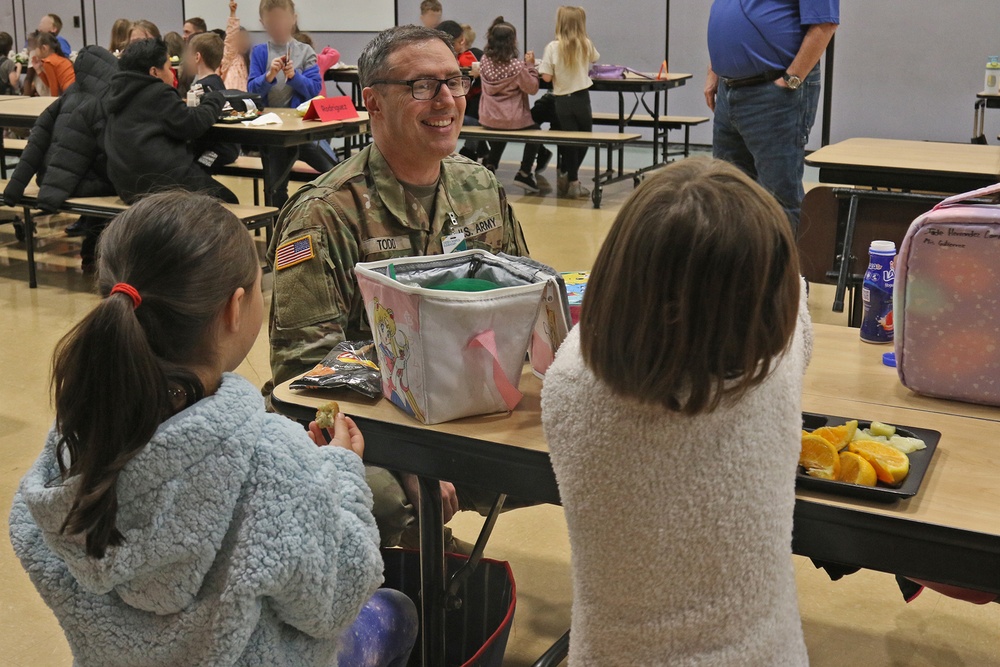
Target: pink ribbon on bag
{"type": "Point", "coordinates": [510, 394]}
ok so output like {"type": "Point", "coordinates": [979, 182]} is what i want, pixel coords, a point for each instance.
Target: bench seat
{"type": "Point", "coordinates": [254, 217]}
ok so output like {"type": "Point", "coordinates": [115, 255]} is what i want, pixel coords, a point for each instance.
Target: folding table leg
{"type": "Point", "coordinates": [290, 154]}
{"type": "Point", "coordinates": [432, 573]}
{"type": "Point", "coordinates": [556, 654]}
{"type": "Point", "coordinates": [597, 195]}
{"type": "Point", "coordinates": [843, 273]}
{"type": "Point", "coordinates": [29, 240]}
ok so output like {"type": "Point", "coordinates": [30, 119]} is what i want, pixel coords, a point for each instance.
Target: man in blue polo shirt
{"type": "Point", "coordinates": [763, 85]}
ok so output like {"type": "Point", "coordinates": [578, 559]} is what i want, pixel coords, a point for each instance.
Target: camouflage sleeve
{"type": "Point", "coordinates": [311, 300]}
{"type": "Point", "coordinates": [513, 236]}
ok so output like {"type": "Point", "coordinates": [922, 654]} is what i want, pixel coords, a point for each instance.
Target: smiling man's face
{"type": "Point", "coordinates": [423, 129]}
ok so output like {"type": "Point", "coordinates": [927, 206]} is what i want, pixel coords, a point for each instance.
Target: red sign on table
{"type": "Point", "coordinates": [331, 108]}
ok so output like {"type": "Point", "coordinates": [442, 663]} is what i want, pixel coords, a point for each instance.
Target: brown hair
{"type": "Point", "coordinates": [120, 33]}
{"type": "Point", "coordinates": [147, 27]}
{"type": "Point", "coordinates": [49, 40]}
{"type": "Point", "coordinates": [175, 44]}
{"type": "Point", "coordinates": [304, 37]}
{"type": "Point", "coordinates": [268, 5]}
{"type": "Point", "coordinates": [198, 23]}
{"type": "Point", "coordinates": [210, 46]}
{"type": "Point", "coordinates": [56, 22]}
{"type": "Point", "coordinates": [470, 35]}
{"type": "Point", "coordinates": [114, 371]}
{"type": "Point", "coordinates": [428, 6]}
{"type": "Point", "coordinates": [695, 290]}
{"type": "Point", "coordinates": [501, 41]}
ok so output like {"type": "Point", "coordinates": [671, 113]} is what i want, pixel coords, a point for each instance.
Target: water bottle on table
{"type": "Point", "coordinates": [876, 293]}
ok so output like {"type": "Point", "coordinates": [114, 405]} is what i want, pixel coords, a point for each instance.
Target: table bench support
{"type": "Point", "coordinates": [432, 567]}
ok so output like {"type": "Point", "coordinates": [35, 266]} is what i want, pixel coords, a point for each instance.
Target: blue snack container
{"type": "Point", "coordinates": [876, 293]}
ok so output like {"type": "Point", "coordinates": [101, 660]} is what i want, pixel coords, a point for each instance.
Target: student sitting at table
{"type": "Point", "coordinates": [170, 519]}
{"type": "Point", "coordinates": [202, 57]}
{"type": "Point", "coordinates": [688, 429]}
{"type": "Point", "coordinates": [51, 24]}
{"type": "Point", "coordinates": [235, 66]}
{"type": "Point", "coordinates": [283, 71]}
{"type": "Point", "coordinates": [150, 128]}
{"type": "Point", "coordinates": [121, 29]}
{"type": "Point", "coordinates": [143, 29]}
{"type": "Point", "coordinates": [507, 82]}
{"type": "Point", "coordinates": [10, 71]}
{"type": "Point", "coordinates": [55, 70]}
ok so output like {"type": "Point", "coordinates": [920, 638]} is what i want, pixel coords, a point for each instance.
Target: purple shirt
{"type": "Point", "coordinates": [750, 37]}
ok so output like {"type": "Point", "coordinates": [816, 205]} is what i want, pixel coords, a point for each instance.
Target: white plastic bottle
{"type": "Point", "coordinates": [993, 76]}
{"type": "Point", "coordinates": [192, 98]}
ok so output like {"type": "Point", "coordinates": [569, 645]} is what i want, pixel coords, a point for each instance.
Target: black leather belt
{"type": "Point", "coordinates": [766, 77]}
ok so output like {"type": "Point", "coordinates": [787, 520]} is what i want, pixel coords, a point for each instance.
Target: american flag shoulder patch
{"type": "Point", "coordinates": [293, 252]}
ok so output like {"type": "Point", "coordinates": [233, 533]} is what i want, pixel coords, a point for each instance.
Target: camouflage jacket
{"type": "Point", "coordinates": [359, 212]}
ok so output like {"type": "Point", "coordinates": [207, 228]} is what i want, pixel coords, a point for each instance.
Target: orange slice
{"type": "Point", "coordinates": [891, 465]}
{"type": "Point", "coordinates": [819, 457]}
{"type": "Point", "coordinates": [838, 436]}
{"type": "Point", "coordinates": [856, 470]}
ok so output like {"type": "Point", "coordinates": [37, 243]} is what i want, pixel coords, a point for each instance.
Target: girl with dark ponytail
{"type": "Point", "coordinates": [169, 519]}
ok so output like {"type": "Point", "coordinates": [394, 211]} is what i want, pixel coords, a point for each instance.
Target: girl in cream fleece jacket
{"type": "Point", "coordinates": [673, 414]}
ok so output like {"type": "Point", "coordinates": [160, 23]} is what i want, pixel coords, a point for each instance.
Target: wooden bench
{"type": "Point", "coordinates": [254, 217]}
{"type": "Point", "coordinates": [664, 124]}
{"type": "Point", "coordinates": [596, 140]}
{"type": "Point", "coordinates": [253, 167]}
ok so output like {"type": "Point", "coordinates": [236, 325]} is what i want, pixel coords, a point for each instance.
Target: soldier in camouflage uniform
{"type": "Point", "coordinates": [405, 194]}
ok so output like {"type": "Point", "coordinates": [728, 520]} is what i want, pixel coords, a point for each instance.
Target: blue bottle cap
{"type": "Point", "coordinates": [889, 359]}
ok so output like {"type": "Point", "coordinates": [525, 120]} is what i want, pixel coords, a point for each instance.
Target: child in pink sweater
{"type": "Point", "coordinates": [236, 54]}
{"type": "Point", "coordinates": [507, 82]}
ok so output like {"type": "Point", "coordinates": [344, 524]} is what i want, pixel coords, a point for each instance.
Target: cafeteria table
{"type": "Point", "coordinates": [632, 84]}
{"type": "Point", "coordinates": [900, 166]}
{"type": "Point", "coordinates": [292, 132]}
{"type": "Point", "coordinates": [949, 532]}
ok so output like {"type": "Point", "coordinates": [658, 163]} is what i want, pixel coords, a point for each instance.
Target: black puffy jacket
{"type": "Point", "coordinates": [65, 150]}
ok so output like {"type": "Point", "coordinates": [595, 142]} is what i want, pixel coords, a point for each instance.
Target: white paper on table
{"type": "Point", "coordinates": [267, 119]}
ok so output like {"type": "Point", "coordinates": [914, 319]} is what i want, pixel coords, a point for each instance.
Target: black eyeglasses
{"type": "Point", "coordinates": [428, 89]}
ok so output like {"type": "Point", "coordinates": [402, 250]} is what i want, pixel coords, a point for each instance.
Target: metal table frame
{"type": "Point", "coordinates": [848, 536]}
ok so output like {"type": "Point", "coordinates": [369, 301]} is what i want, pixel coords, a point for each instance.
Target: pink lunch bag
{"type": "Point", "coordinates": [946, 300]}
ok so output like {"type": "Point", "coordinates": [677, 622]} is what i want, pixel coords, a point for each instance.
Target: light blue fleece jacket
{"type": "Point", "coordinates": [245, 544]}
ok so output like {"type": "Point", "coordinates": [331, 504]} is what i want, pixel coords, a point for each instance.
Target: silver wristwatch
{"type": "Point", "coordinates": [793, 82]}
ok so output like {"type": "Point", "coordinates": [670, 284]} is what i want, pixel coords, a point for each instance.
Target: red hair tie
{"type": "Point", "coordinates": [132, 292]}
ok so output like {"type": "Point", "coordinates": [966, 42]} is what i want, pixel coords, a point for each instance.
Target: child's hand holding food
{"type": "Point", "coordinates": [335, 428]}
{"type": "Point", "coordinates": [529, 57]}
{"type": "Point", "coordinates": [289, 68]}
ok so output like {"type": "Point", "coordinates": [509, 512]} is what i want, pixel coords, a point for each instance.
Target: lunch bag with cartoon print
{"type": "Point", "coordinates": [452, 331]}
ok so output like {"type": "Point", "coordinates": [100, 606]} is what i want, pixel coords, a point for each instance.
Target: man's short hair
{"type": "Point", "coordinates": [6, 43]}
{"type": "Point", "coordinates": [210, 46]}
{"type": "Point", "coordinates": [142, 55]}
{"type": "Point", "coordinates": [428, 6]}
{"type": "Point", "coordinates": [198, 23]}
{"type": "Point", "coordinates": [374, 61]}
{"type": "Point", "coordinates": [56, 22]}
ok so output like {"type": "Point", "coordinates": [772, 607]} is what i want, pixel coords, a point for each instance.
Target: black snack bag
{"type": "Point", "coordinates": [352, 364]}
